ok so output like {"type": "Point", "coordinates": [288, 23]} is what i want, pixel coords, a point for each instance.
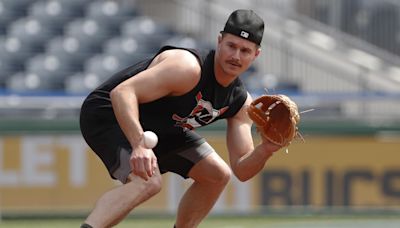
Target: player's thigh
{"type": "Point", "coordinates": [212, 169]}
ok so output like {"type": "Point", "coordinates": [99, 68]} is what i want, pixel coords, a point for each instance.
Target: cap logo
{"type": "Point", "coordinates": [244, 34]}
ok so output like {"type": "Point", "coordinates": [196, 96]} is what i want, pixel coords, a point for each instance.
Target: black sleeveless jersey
{"type": "Point", "coordinates": [174, 118]}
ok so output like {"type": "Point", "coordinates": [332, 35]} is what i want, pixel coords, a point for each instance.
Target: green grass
{"type": "Point", "coordinates": [228, 222]}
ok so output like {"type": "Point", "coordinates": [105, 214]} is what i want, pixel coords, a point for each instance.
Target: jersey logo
{"type": "Point", "coordinates": [202, 114]}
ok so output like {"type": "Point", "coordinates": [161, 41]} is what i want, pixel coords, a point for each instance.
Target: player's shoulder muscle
{"type": "Point", "coordinates": [179, 66]}
{"type": "Point", "coordinates": [182, 59]}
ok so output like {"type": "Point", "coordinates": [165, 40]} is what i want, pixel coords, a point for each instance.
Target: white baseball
{"type": "Point", "coordinates": [150, 139]}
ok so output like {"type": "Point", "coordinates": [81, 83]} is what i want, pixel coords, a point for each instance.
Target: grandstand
{"type": "Point", "coordinates": [68, 47]}
{"type": "Point", "coordinates": [305, 57]}
{"type": "Point", "coordinates": [47, 43]}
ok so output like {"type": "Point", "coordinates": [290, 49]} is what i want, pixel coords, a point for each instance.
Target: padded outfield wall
{"type": "Point", "coordinates": [46, 167]}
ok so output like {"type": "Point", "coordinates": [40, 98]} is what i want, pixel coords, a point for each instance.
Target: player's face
{"type": "Point", "coordinates": [234, 54]}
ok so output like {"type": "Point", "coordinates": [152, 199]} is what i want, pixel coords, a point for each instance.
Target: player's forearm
{"type": "Point", "coordinates": [125, 108]}
{"type": "Point", "coordinates": [252, 163]}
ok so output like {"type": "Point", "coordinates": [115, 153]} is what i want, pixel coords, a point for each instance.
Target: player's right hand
{"type": "Point", "coordinates": [143, 162]}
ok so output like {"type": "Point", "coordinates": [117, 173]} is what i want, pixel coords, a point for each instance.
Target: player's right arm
{"type": "Point", "coordinates": [172, 73]}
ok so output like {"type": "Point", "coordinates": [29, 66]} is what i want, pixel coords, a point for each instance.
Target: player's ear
{"type": "Point", "coordinates": [220, 38]}
{"type": "Point", "coordinates": [219, 41]}
{"type": "Point", "coordinates": [258, 51]}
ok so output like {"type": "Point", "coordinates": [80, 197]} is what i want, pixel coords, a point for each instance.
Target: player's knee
{"type": "Point", "coordinates": [222, 175]}
{"type": "Point", "coordinates": [226, 176]}
{"type": "Point", "coordinates": [212, 171]}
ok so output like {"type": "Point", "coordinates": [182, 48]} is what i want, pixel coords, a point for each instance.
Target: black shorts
{"type": "Point", "coordinates": [105, 137]}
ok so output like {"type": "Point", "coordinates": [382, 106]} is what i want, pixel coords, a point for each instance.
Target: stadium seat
{"type": "Point", "coordinates": [185, 41]}
{"type": "Point", "coordinates": [53, 14]}
{"type": "Point", "coordinates": [147, 32]}
{"type": "Point", "coordinates": [8, 67]}
{"type": "Point", "coordinates": [127, 50]}
{"type": "Point", "coordinates": [79, 4]}
{"type": "Point", "coordinates": [70, 50]}
{"type": "Point", "coordinates": [49, 67]}
{"type": "Point", "coordinates": [5, 72]}
{"type": "Point", "coordinates": [24, 82]}
{"type": "Point", "coordinates": [81, 83]}
{"type": "Point", "coordinates": [7, 15]}
{"type": "Point", "coordinates": [88, 32]}
{"type": "Point", "coordinates": [103, 66]}
{"type": "Point", "coordinates": [110, 13]}
{"type": "Point", "coordinates": [14, 52]}
{"type": "Point", "coordinates": [73, 45]}
{"type": "Point", "coordinates": [18, 7]}
{"type": "Point", "coordinates": [31, 32]}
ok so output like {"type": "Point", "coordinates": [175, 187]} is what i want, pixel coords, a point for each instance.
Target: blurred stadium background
{"type": "Point", "coordinates": [341, 58]}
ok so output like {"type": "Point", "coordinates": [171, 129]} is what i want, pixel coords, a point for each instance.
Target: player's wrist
{"type": "Point", "coordinates": [147, 140]}
{"type": "Point", "coordinates": [268, 148]}
{"type": "Point", "coordinates": [138, 141]}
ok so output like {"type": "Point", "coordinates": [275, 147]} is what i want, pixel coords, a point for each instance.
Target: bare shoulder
{"type": "Point", "coordinates": [181, 70]}
{"type": "Point", "coordinates": [241, 115]}
{"type": "Point", "coordinates": [172, 73]}
{"type": "Point", "coordinates": [182, 59]}
{"type": "Point", "coordinates": [248, 100]}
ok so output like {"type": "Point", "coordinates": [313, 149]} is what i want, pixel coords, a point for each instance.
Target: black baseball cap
{"type": "Point", "coordinates": [245, 24]}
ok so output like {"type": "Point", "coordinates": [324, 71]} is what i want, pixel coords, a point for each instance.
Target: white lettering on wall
{"type": "Point", "coordinates": [37, 161]}
{"type": "Point", "coordinates": [77, 162]}
{"type": "Point", "coordinates": [37, 164]}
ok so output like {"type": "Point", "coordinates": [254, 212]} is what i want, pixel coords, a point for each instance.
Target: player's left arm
{"type": "Point", "coordinates": [245, 159]}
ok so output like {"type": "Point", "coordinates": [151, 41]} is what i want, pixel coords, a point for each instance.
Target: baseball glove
{"type": "Point", "coordinates": [276, 118]}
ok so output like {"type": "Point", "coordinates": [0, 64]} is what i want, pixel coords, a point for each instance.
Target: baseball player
{"type": "Point", "coordinates": [172, 94]}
